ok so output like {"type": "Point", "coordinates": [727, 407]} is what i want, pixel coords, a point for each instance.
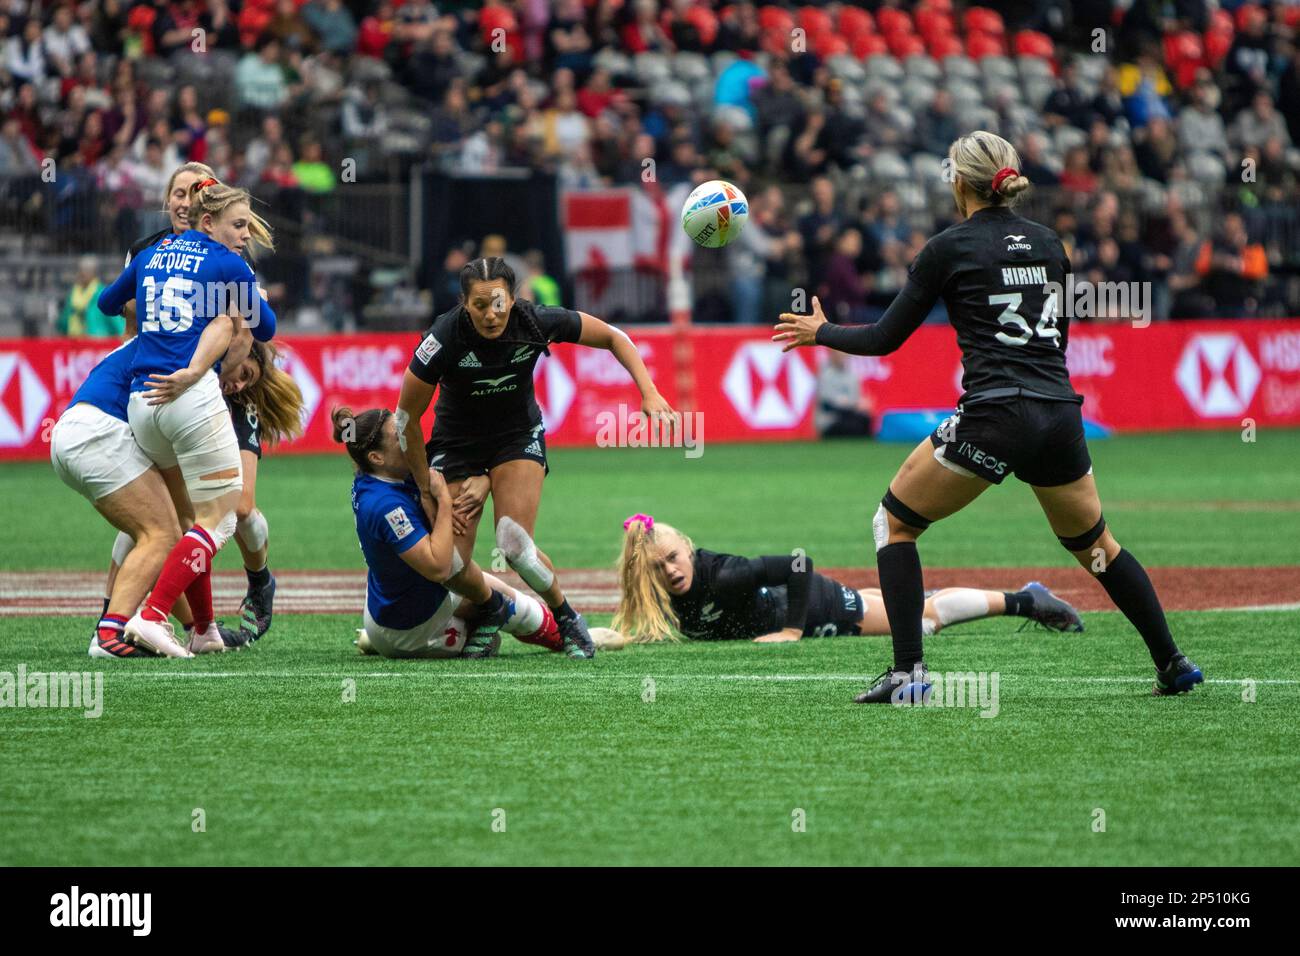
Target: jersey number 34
{"type": "Point", "coordinates": [1045, 329]}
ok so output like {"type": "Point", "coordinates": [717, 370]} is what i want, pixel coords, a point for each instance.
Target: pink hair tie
{"type": "Point", "coordinates": [646, 520]}
{"type": "Point", "coordinates": [1006, 172]}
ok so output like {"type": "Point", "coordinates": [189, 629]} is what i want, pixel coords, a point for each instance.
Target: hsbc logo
{"type": "Point", "coordinates": [767, 387]}
{"type": "Point", "coordinates": [24, 399]}
{"type": "Point", "coordinates": [554, 388]}
{"type": "Point", "coordinates": [1217, 374]}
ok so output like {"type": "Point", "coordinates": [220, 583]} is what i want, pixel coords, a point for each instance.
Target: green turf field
{"type": "Point", "coordinates": [711, 753]}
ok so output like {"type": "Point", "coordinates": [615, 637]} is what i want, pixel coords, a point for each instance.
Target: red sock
{"type": "Point", "coordinates": [199, 594]}
{"type": "Point", "coordinates": [110, 626]}
{"type": "Point", "coordinates": [188, 560]}
{"type": "Point", "coordinates": [547, 636]}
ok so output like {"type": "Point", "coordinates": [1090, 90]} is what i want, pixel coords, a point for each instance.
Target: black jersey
{"type": "Point", "coordinates": [140, 245]}
{"type": "Point", "coordinates": [996, 273]}
{"type": "Point", "coordinates": [247, 429]}
{"type": "Point", "coordinates": [486, 385]}
{"type": "Point", "coordinates": [735, 598]}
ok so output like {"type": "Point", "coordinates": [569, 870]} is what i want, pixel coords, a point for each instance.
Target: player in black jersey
{"type": "Point", "coordinates": [999, 276]}
{"type": "Point", "coordinates": [667, 584]}
{"type": "Point", "coordinates": [488, 436]}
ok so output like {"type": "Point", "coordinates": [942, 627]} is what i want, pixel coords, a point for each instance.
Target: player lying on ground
{"type": "Point", "coordinates": [183, 283]}
{"type": "Point", "coordinates": [488, 436]}
{"type": "Point", "coordinates": [412, 565]}
{"type": "Point", "coordinates": [666, 584]}
{"type": "Point", "coordinates": [1018, 414]}
{"type": "Point", "coordinates": [251, 532]}
{"type": "Point", "coordinates": [94, 452]}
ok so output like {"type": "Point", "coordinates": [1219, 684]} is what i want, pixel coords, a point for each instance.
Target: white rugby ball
{"type": "Point", "coordinates": [715, 213]}
{"type": "Point", "coordinates": [607, 639]}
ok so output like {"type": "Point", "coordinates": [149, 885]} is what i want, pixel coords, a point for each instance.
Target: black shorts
{"type": "Point", "coordinates": [1040, 441]}
{"type": "Point", "coordinates": [457, 458]}
{"type": "Point", "coordinates": [833, 608]}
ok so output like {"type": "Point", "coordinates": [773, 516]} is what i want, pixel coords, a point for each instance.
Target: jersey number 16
{"type": "Point", "coordinates": [1045, 329]}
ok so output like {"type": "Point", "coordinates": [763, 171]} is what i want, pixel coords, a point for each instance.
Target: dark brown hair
{"type": "Point", "coordinates": [367, 432]}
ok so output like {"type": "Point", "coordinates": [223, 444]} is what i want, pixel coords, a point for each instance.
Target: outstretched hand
{"type": "Point", "coordinates": [167, 388]}
{"type": "Point", "coordinates": [796, 330]}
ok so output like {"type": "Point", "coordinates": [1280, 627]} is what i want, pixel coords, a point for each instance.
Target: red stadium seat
{"type": "Point", "coordinates": [980, 45]}
{"type": "Point", "coordinates": [775, 18]}
{"type": "Point", "coordinates": [1249, 12]}
{"type": "Point", "coordinates": [983, 20]}
{"type": "Point", "coordinates": [815, 21]}
{"type": "Point", "coordinates": [943, 6]}
{"type": "Point", "coordinates": [493, 18]}
{"type": "Point", "coordinates": [869, 44]}
{"type": "Point", "coordinates": [891, 21]}
{"type": "Point", "coordinates": [1184, 55]}
{"type": "Point", "coordinates": [1217, 43]}
{"type": "Point", "coordinates": [931, 22]}
{"type": "Point", "coordinates": [1291, 16]}
{"type": "Point", "coordinates": [830, 44]}
{"type": "Point", "coordinates": [1221, 20]}
{"type": "Point", "coordinates": [903, 45]}
{"type": "Point", "coordinates": [705, 22]}
{"type": "Point", "coordinates": [944, 44]}
{"type": "Point", "coordinates": [853, 22]}
{"type": "Point", "coordinates": [1033, 43]}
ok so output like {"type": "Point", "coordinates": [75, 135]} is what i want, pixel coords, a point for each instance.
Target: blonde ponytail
{"type": "Point", "coordinates": [645, 612]}
{"type": "Point", "coordinates": [979, 159]}
{"type": "Point", "coordinates": [213, 197]}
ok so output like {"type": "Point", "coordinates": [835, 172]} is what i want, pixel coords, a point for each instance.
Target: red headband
{"type": "Point", "coordinates": [212, 182]}
{"type": "Point", "coordinates": [1006, 172]}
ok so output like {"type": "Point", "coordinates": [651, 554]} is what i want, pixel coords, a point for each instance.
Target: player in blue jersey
{"type": "Point", "coordinates": [419, 593]}
{"type": "Point", "coordinates": [94, 452]}
{"type": "Point", "coordinates": [181, 284]}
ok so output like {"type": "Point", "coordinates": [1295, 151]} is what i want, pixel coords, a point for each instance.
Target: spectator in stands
{"type": "Point", "coordinates": [1233, 269]}
{"type": "Point", "coordinates": [187, 118]}
{"type": "Point", "coordinates": [259, 151]}
{"type": "Point", "coordinates": [642, 31]}
{"type": "Point", "coordinates": [290, 28]}
{"type": "Point", "coordinates": [1156, 151]}
{"type": "Point", "coordinates": [80, 316]}
{"type": "Point", "coordinates": [363, 115]}
{"type": "Point", "coordinates": [451, 123]}
{"type": "Point", "coordinates": [819, 228]}
{"type": "Point", "coordinates": [1200, 127]}
{"type": "Point", "coordinates": [312, 172]}
{"type": "Point", "coordinates": [446, 285]}
{"type": "Point", "coordinates": [1145, 86]}
{"type": "Point", "coordinates": [886, 127]}
{"type": "Point", "coordinates": [1252, 63]}
{"type": "Point", "coordinates": [726, 155]}
{"type": "Point", "coordinates": [278, 171]}
{"type": "Point", "coordinates": [1108, 104]}
{"type": "Point", "coordinates": [1067, 104]}
{"type": "Point", "coordinates": [598, 95]}
{"type": "Point", "coordinates": [778, 106]}
{"type": "Point", "coordinates": [937, 127]}
{"type": "Point", "coordinates": [1077, 176]}
{"type": "Point", "coordinates": [154, 171]}
{"type": "Point", "coordinates": [333, 23]}
{"type": "Point", "coordinates": [25, 54]}
{"type": "Point", "coordinates": [376, 31]}
{"type": "Point", "coordinates": [64, 41]}
{"type": "Point", "coordinates": [17, 156]}
{"type": "Point", "coordinates": [539, 287]}
{"type": "Point", "coordinates": [494, 244]}
{"type": "Point", "coordinates": [1120, 171]}
{"type": "Point", "coordinates": [431, 69]}
{"type": "Point", "coordinates": [259, 78]}
{"type": "Point", "coordinates": [1259, 124]}
{"type": "Point", "coordinates": [1034, 163]}
{"type": "Point", "coordinates": [885, 220]}
{"type": "Point", "coordinates": [842, 410]}
{"type": "Point", "coordinates": [748, 256]}
{"type": "Point", "coordinates": [844, 291]}
{"type": "Point", "coordinates": [570, 43]}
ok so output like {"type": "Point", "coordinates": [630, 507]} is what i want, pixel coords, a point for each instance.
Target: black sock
{"type": "Point", "coordinates": [1019, 603]}
{"type": "Point", "coordinates": [563, 612]}
{"type": "Point", "coordinates": [493, 604]}
{"type": "Point", "coordinates": [258, 579]}
{"type": "Point", "coordinates": [904, 594]}
{"type": "Point", "coordinates": [105, 611]}
{"type": "Point", "coordinates": [1126, 581]}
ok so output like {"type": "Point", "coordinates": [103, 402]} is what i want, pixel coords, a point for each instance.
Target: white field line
{"type": "Point", "coordinates": [625, 676]}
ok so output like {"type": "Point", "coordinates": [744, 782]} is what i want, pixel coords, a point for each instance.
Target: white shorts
{"type": "Point", "coordinates": [94, 453]}
{"type": "Point", "coordinates": [195, 432]}
{"type": "Point", "coordinates": [442, 635]}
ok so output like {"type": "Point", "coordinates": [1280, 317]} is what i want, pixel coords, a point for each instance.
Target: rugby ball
{"type": "Point", "coordinates": [607, 639]}
{"type": "Point", "coordinates": [715, 213]}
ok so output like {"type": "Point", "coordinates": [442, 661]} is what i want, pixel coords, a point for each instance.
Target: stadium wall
{"type": "Point", "coordinates": [1166, 376]}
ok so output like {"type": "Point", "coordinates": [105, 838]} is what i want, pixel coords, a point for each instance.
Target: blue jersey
{"type": "Point", "coordinates": [390, 521]}
{"type": "Point", "coordinates": [109, 383]}
{"type": "Point", "coordinates": [180, 284]}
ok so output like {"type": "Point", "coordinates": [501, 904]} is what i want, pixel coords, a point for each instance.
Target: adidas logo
{"type": "Point", "coordinates": [470, 361]}
{"type": "Point", "coordinates": [534, 448]}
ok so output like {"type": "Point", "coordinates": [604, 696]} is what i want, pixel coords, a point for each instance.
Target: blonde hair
{"type": "Point", "coordinates": [976, 159]}
{"type": "Point", "coordinates": [202, 170]}
{"type": "Point", "coordinates": [212, 197]}
{"type": "Point", "coordinates": [275, 396]}
{"type": "Point", "coordinates": [645, 611]}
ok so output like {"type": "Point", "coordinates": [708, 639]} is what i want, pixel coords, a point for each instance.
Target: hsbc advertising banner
{"type": "Point", "coordinates": [1165, 376]}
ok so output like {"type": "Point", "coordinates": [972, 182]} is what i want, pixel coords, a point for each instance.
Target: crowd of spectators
{"type": "Point", "coordinates": [1155, 163]}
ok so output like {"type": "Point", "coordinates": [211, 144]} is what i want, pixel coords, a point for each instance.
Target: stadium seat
{"type": "Point", "coordinates": [999, 68]}
{"type": "Point", "coordinates": [651, 68]}
{"type": "Point", "coordinates": [618, 64]}
{"type": "Point", "coordinates": [1221, 22]}
{"type": "Point", "coordinates": [1066, 137]}
{"type": "Point", "coordinates": [1249, 13]}
{"type": "Point", "coordinates": [960, 67]}
{"type": "Point", "coordinates": [887, 165]}
{"type": "Point", "coordinates": [927, 168]}
{"type": "Point", "coordinates": [903, 45]}
{"type": "Point", "coordinates": [706, 23]}
{"type": "Point", "coordinates": [1033, 43]}
{"type": "Point", "coordinates": [891, 21]}
{"type": "Point", "coordinates": [923, 67]}
{"type": "Point", "coordinates": [690, 67]}
{"type": "Point", "coordinates": [1216, 44]}
{"type": "Point", "coordinates": [867, 45]}
{"type": "Point", "coordinates": [917, 92]}
{"type": "Point", "coordinates": [980, 45]}
{"type": "Point", "coordinates": [931, 23]}
{"type": "Point", "coordinates": [847, 69]}
{"type": "Point", "coordinates": [965, 95]}
{"type": "Point", "coordinates": [1031, 67]}
{"type": "Point", "coordinates": [721, 60]}
{"type": "Point", "coordinates": [983, 20]}
{"type": "Point", "coordinates": [853, 22]}
{"type": "Point", "coordinates": [815, 21]}
{"type": "Point", "coordinates": [776, 18]}
{"type": "Point", "coordinates": [944, 45]}
{"type": "Point", "coordinates": [1184, 55]}
{"type": "Point", "coordinates": [830, 44]}
{"type": "Point", "coordinates": [883, 68]}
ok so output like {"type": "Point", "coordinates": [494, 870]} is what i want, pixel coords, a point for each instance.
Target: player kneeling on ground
{"type": "Point", "coordinates": [413, 568]}
{"type": "Point", "coordinates": [666, 583]}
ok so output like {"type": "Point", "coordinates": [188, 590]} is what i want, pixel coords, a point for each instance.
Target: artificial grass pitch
{"type": "Point", "coordinates": [302, 752]}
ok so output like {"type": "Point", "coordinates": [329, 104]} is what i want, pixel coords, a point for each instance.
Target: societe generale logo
{"type": "Point", "coordinates": [767, 387]}
{"type": "Point", "coordinates": [1217, 374]}
{"type": "Point", "coordinates": [24, 399]}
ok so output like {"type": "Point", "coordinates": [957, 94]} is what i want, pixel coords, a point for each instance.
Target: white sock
{"type": "Point", "coordinates": [527, 618]}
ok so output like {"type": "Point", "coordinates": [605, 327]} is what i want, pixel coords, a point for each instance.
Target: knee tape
{"type": "Point", "coordinates": [122, 547]}
{"type": "Point", "coordinates": [401, 419]}
{"type": "Point", "coordinates": [223, 532]}
{"type": "Point", "coordinates": [527, 618]}
{"type": "Point", "coordinates": [964, 604]}
{"type": "Point", "coordinates": [457, 563]}
{"type": "Point", "coordinates": [252, 531]}
{"type": "Point", "coordinates": [880, 528]}
{"type": "Point", "coordinates": [521, 554]}
{"type": "Point", "coordinates": [208, 489]}
{"type": "Point", "coordinates": [1086, 540]}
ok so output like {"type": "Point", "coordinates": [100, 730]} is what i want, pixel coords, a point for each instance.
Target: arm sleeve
{"type": "Point", "coordinates": [905, 314]}
{"type": "Point", "coordinates": [426, 363]}
{"type": "Point", "coordinates": [559, 324]}
{"type": "Point", "coordinates": [261, 319]}
{"type": "Point", "coordinates": [122, 291]}
{"type": "Point", "coordinates": [796, 573]}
